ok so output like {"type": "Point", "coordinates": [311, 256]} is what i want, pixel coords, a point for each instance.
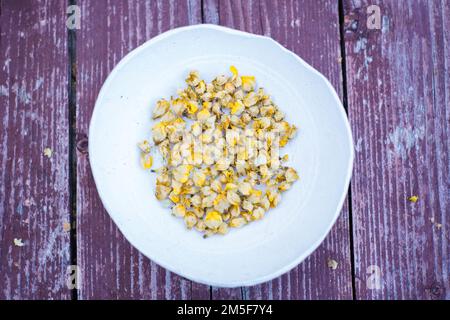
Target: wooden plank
{"type": "Point", "coordinates": [111, 267]}
{"type": "Point", "coordinates": [34, 196]}
{"type": "Point", "coordinates": [398, 97]}
{"type": "Point", "coordinates": [312, 31]}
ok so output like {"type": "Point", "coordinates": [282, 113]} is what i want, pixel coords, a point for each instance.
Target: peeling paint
{"type": "Point", "coordinates": [38, 83]}
{"type": "Point", "coordinates": [19, 209]}
{"type": "Point", "coordinates": [6, 63]}
{"type": "Point", "coordinates": [46, 252]}
{"type": "Point", "coordinates": [358, 145]}
{"type": "Point", "coordinates": [295, 23]}
{"type": "Point", "coordinates": [385, 24]}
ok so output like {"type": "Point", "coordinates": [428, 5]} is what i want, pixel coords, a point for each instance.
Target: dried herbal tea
{"type": "Point", "coordinates": [220, 144]}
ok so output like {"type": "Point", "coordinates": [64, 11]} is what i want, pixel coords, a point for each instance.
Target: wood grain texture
{"type": "Point", "coordinates": [111, 267]}
{"type": "Point", "coordinates": [294, 24]}
{"type": "Point", "coordinates": [398, 97]}
{"type": "Point", "coordinates": [398, 103]}
{"type": "Point", "coordinates": [34, 196]}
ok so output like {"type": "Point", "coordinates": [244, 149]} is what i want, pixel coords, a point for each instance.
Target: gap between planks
{"type": "Point", "coordinates": [72, 105]}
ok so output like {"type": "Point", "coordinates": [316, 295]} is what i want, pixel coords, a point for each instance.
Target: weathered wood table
{"type": "Point", "coordinates": [389, 61]}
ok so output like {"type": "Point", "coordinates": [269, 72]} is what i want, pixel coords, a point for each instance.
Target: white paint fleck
{"type": "Point", "coordinates": [361, 47]}
{"type": "Point", "coordinates": [361, 44]}
{"type": "Point", "coordinates": [365, 102]}
{"type": "Point", "coordinates": [21, 93]}
{"type": "Point", "coordinates": [403, 140]}
{"type": "Point", "coordinates": [38, 83]}
{"type": "Point", "coordinates": [332, 264]}
{"type": "Point", "coordinates": [4, 91]}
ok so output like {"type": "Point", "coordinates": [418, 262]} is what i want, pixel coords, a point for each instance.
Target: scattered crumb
{"type": "Point", "coordinates": [48, 152]}
{"type": "Point", "coordinates": [339, 59]}
{"type": "Point", "coordinates": [18, 242]}
{"type": "Point", "coordinates": [438, 225]}
{"type": "Point", "coordinates": [66, 226]}
{"type": "Point", "coordinates": [413, 199]}
{"type": "Point", "coordinates": [16, 264]}
{"type": "Point", "coordinates": [432, 219]}
{"type": "Point", "coordinates": [332, 264]}
{"type": "Point", "coordinates": [27, 221]}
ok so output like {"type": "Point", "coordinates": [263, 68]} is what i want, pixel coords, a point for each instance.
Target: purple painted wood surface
{"type": "Point", "coordinates": [398, 98]}
{"type": "Point", "coordinates": [34, 196]}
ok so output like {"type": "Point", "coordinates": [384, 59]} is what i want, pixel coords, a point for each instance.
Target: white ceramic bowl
{"type": "Point", "coordinates": [322, 153]}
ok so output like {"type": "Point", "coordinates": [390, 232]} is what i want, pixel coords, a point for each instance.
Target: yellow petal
{"type": "Point", "coordinates": [182, 172]}
{"type": "Point", "coordinates": [179, 210]}
{"type": "Point", "coordinates": [233, 197]}
{"type": "Point", "coordinates": [291, 175]}
{"type": "Point", "coordinates": [237, 222]}
{"type": "Point", "coordinates": [161, 108]}
{"type": "Point", "coordinates": [248, 83]}
{"type": "Point", "coordinates": [223, 228]}
{"type": "Point", "coordinates": [230, 186]}
{"type": "Point", "coordinates": [199, 178]}
{"type": "Point", "coordinates": [245, 188]}
{"type": "Point", "coordinates": [203, 115]}
{"type": "Point", "coordinates": [191, 107]}
{"type": "Point", "coordinates": [236, 107]}
{"type": "Point", "coordinates": [257, 214]}
{"type": "Point", "coordinates": [213, 219]}
{"type": "Point", "coordinates": [144, 146]}
{"type": "Point", "coordinates": [190, 219]}
{"type": "Point", "coordinates": [162, 191]}
{"type": "Point", "coordinates": [174, 198]}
